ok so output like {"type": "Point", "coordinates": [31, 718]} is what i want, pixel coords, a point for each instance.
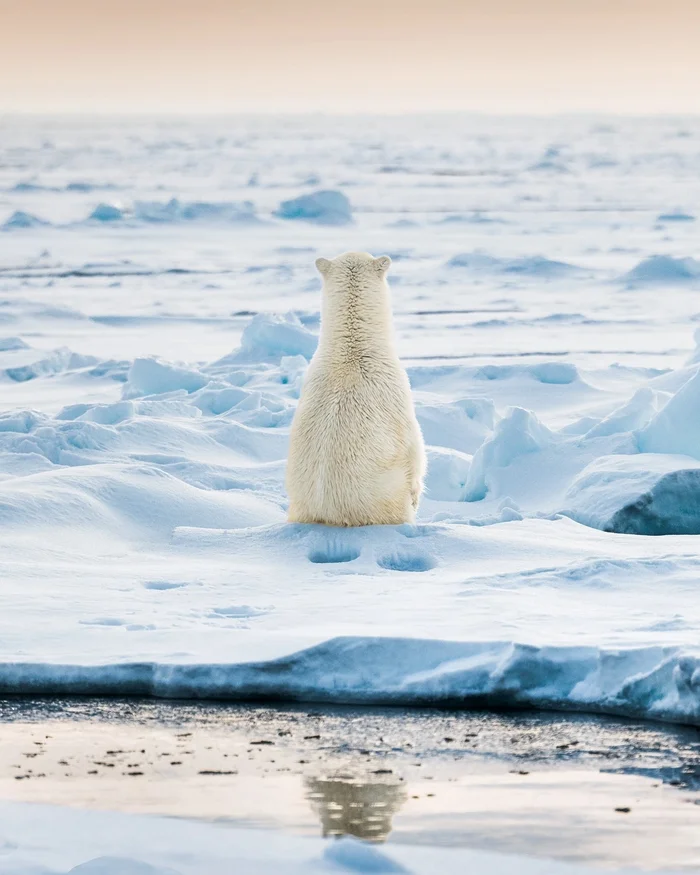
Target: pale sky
{"type": "Point", "coordinates": [501, 56]}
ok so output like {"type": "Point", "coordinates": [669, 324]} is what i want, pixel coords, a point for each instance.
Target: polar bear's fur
{"type": "Point", "coordinates": [356, 454]}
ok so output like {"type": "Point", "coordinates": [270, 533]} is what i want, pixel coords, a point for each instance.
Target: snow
{"type": "Point", "coordinates": [154, 335]}
{"type": "Point", "coordinates": [46, 840]}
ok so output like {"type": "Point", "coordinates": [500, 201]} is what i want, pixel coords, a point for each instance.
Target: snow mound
{"type": "Point", "coordinates": [20, 219]}
{"type": "Point", "coordinates": [660, 269]}
{"type": "Point", "coordinates": [447, 475]}
{"type": "Point", "coordinates": [645, 494]}
{"type": "Point", "coordinates": [56, 362]}
{"type": "Point", "coordinates": [536, 266]}
{"type": "Point", "coordinates": [270, 337]}
{"type": "Point", "coordinates": [656, 682]}
{"type": "Point", "coordinates": [352, 855]}
{"type": "Point", "coordinates": [120, 866]}
{"type": "Point", "coordinates": [326, 207]}
{"type": "Point", "coordinates": [175, 211]}
{"type": "Point", "coordinates": [676, 427]}
{"type": "Point", "coordinates": [462, 425]}
{"type": "Point", "coordinates": [518, 433]}
{"type": "Point", "coordinates": [139, 502]}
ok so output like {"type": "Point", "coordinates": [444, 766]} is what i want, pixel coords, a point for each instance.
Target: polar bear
{"type": "Point", "coordinates": [356, 455]}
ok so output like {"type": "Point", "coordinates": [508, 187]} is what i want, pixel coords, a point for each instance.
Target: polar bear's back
{"type": "Point", "coordinates": [356, 453]}
{"type": "Point", "coordinates": [352, 447]}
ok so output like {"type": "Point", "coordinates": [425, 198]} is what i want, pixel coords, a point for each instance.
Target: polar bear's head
{"type": "Point", "coordinates": [351, 265]}
{"type": "Point", "coordinates": [355, 277]}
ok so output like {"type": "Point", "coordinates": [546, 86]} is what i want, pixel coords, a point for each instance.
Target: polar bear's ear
{"type": "Point", "coordinates": [322, 265]}
{"type": "Point", "coordinates": [382, 264]}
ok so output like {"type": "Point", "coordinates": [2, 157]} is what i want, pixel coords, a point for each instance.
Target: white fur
{"type": "Point", "coordinates": [356, 454]}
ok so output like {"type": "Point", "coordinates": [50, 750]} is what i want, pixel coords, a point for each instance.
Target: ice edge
{"type": "Point", "coordinates": [659, 683]}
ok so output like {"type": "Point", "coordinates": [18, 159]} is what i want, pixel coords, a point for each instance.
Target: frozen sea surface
{"type": "Point", "coordinates": [158, 308]}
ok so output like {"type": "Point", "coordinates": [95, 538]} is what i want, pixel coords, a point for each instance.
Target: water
{"type": "Point", "coordinates": [604, 791]}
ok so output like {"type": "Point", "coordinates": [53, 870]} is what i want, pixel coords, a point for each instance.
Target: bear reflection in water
{"type": "Point", "coordinates": [349, 805]}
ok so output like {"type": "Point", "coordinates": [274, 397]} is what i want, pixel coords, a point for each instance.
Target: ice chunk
{"type": "Point", "coordinates": [149, 376]}
{"type": "Point", "coordinates": [635, 414]}
{"type": "Point", "coordinates": [645, 494]}
{"type": "Point", "coordinates": [106, 213]}
{"type": "Point", "coordinates": [676, 427]}
{"type": "Point", "coordinates": [20, 219]}
{"type": "Point", "coordinates": [326, 207]}
{"type": "Point", "coordinates": [663, 269]}
{"type": "Point", "coordinates": [270, 337]}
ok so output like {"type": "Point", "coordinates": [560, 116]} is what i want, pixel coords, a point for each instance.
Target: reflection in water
{"type": "Point", "coordinates": [349, 805]}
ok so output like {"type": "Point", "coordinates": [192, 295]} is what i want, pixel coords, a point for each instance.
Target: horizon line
{"type": "Point", "coordinates": [190, 113]}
